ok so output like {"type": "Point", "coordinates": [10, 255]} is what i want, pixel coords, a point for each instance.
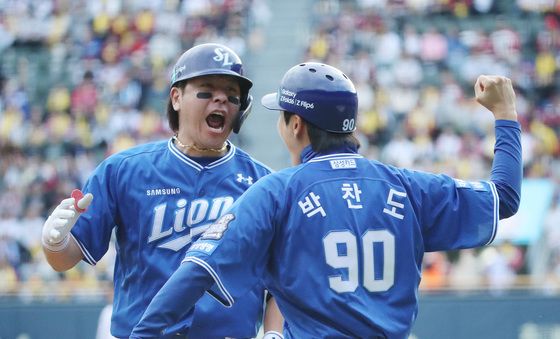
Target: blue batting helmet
{"type": "Point", "coordinates": [321, 94]}
{"type": "Point", "coordinates": [215, 59]}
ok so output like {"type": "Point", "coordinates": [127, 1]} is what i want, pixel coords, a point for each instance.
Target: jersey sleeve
{"type": "Point", "coordinates": [507, 166]}
{"type": "Point", "coordinates": [94, 227]}
{"type": "Point", "coordinates": [234, 250]}
{"type": "Point", "coordinates": [453, 213]}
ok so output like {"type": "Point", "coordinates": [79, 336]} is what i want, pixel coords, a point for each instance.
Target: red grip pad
{"type": "Point", "coordinates": [77, 195]}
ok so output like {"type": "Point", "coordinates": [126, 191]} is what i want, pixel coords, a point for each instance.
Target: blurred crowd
{"type": "Point", "coordinates": [81, 80]}
{"type": "Point", "coordinates": [414, 64]}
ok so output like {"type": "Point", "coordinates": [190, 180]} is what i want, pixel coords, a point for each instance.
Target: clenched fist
{"type": "Point", "coordinates": [496, 94]}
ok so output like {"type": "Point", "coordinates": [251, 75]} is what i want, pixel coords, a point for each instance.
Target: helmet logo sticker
{"type": "Point", "coordinates": [305, 104]}
{"type": "Point", "coordinates": [288, 93]}
{"type": "Point", "coordinates": [222, 56]}
{"type": "Point", "coordinates": [177, 72]}
{"type": "Point", "coordinates": [289, 97]}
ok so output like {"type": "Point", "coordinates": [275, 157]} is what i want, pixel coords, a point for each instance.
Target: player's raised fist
{"type": "Point", "coordinates": [62, 219]}
{"type": "Point", "coordinates": [497, 95]}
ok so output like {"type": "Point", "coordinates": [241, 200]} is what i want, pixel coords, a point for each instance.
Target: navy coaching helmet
{"type": "Point", "coordinates": [321, 94]}
{"type": "Point", "coordinates": [215, 59]}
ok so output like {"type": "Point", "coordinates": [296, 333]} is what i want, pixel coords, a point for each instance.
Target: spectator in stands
{"type": "Point", "coordinates": [84, 97]}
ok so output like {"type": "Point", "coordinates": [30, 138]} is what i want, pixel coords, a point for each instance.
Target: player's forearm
{"type": "Point", "coordinates": [273, 319]}
{"type": "Point", "coordinates": [65, 258]}
{"type": "Point", "coordinates": [507, 167]}
{"type": "Point", "coordinates": [174, 300]}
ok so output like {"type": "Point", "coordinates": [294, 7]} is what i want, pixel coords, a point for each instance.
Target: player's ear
{"type": "Point", "coordinates": [175, 94]}
{"type": "Point", "coordinates": [297, 125]}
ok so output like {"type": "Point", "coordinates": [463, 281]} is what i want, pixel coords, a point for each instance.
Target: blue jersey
{"type": "Point", "coordinates": [339, 241]}
{"type": "Point", "coordinates": [159, 201]}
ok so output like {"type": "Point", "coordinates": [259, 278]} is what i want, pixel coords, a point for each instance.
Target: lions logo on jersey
{"type": "Point", "coordinates": [217, 229]}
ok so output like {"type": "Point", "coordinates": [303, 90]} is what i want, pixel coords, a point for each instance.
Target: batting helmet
{"type": "Point", "coordinates": [215, 59]}
{"type": "Point", "coordinates": [321, 94]}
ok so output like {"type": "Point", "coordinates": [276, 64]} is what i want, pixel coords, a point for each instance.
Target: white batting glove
{"type": "Point", "coordinates": [273, 335]}
{"type": "Point", "coordinates": [56, 229]}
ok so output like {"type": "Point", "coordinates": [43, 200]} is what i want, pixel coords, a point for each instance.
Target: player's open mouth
{"type": "Point", "coordinates": [216, 120]}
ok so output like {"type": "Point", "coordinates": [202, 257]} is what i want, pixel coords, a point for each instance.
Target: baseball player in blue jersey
{"type": "Point", "coordinates": [339, 239]}
{"type": "Point", "coordinates": [160, 197]}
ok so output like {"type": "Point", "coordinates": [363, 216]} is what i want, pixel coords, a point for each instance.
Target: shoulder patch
{"type": "Point", "coordinates": [474, 185]}
{"type": "Point", "coordinates": [217, 229]}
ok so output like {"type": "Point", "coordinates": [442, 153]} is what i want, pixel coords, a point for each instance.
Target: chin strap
{"type": "Point", "coordinates": [185, 148]}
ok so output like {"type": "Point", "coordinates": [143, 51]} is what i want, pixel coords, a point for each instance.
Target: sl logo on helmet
{"type": "Point", "coordinates": [223, 56]}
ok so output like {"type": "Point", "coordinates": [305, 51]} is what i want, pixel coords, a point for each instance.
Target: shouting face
{"type": "Point", "coordinates": [207, 106]}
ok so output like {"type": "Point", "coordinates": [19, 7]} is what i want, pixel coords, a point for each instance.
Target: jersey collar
{"type": "Point", "coordinates": [308, 154]}
{"type": "Point", "coordinates": [188, 161]}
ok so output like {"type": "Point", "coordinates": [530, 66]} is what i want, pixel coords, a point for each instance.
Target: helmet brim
{"type": "Point", "coordinates": [270, 101]}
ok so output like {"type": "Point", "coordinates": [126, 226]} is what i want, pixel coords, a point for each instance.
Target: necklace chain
{"type": "Point", "coordinates": [199, 149]}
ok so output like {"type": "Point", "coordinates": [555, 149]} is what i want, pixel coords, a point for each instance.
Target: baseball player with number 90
{"type": "Point", "coordinates": [339, 239]}
{"type": "Point", "coordinates": [160, 197]}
